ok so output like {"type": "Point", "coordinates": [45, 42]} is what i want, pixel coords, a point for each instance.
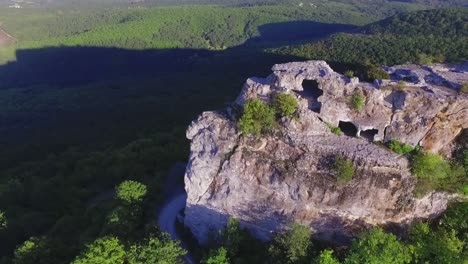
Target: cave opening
{"type": "Point", "coordinates": [348, 128]}
{"type": "Point", "coordinates": [369, 134]}
{"type": "Point", "coordinates": [312, 92]}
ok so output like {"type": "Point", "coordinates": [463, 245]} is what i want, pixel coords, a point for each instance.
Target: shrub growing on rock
{"type": "Point", "coordinates": [464, 88]}
{"type": "Point", "coordinates": [335, 130]}
{"type": "Point", "coordinates": [349, 73]}
{"type": "Point", "coordinates": [343, 169]}
{"type": "Point", "coordinates": [257, 117]}
{"type": "Point", "coordinates": [375, 73]}
{"type": "Point", "coordinates": [430, 166]}
{"type": "Point", "coordinates": [399, 147]}
{"type": "Point", "coordinates": [357, 101]}
{"type": "Point", "coordinates": [285, 104]}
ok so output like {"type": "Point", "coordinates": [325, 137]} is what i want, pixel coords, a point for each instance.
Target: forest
{"type": "Point", "coordinates": [86, 156]}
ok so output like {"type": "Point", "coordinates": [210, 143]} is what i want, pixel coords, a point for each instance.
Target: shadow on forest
{"type": "Point", "coordinates": [72, 65]}
{"type": "Point", "coordinates": [128, 92]}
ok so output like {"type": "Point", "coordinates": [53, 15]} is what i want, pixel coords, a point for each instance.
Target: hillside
{"type": "Point", "coordinates": [191, 26]}
{"type": "Point", "coordinates": [425, 36]}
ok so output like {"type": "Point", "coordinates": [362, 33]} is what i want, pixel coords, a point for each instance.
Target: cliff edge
{"type": "Point", "coordinates": [270, 181]}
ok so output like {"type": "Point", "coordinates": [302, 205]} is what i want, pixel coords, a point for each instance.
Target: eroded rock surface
{"type": "Point", "coordinates": [271, 181]}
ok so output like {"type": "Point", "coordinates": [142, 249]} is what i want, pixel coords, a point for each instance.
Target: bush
{"type": "Point", "coordinates": [335, 130]}
{"type": "Point", "coordinates": [376, 73]}
{"type": "Point", "coordinates": [430, 166]}
{"type": "Point", "coordinates": [349, 73]}
{"type": "Point", "coordinates": [464, 88]}
{"type": "Point", "coordinates": [131, 192]}
{"type": "Point", "coordinates": [257, 117]}
{"type": "Point", "coordinates": [343, 169]}
{"type": "Point", "coordinates": [399, 147]}
{"type": "Point", "coordinates": [424, 59]}
{"type": "Point", "coordinates": [357, 101]}
{"type": "Point", "coordinates": [285, 104]}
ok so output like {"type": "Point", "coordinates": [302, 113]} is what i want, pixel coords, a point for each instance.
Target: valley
{"type": "Point", "coordinates": [94, 95]}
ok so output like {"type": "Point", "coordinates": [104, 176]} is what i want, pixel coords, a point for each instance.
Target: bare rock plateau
{"type": "Point", "coordinates": [270, 181]}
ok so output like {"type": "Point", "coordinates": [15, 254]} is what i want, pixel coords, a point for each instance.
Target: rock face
{"type": "Point", "coordinates": [271, 181]}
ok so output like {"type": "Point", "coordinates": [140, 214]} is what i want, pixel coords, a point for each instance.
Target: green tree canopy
{"type": "Point", "coordinates": [218, 256]}
{"type": "Point", "coordinates": [106, 250]}
{"type": "Point", "coordinates": [378, 247]}
{"type": "Point", "coordinates": [326, 257]}
{"type": "Point", "coordinates": [436, 246]}
{"type": "Point", "coordinates": [131, 192]}
{"type": "Point", "coordinates": [30, 251]}
{"type": "Point", "coordinates": [293, 246]}
{"type": "Point", "coordinates": [157, 251]}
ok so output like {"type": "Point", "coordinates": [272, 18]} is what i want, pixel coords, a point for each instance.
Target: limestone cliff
{"type": "Point", "coordinates": [271, 181]}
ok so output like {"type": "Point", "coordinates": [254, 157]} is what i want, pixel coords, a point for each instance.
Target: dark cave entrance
{"type": "Point", "coordinates": [348, 128]}
{"type": "Point", "coordinates": [369, 134]}
{"type": "Point", "coordinates": [312, 92]}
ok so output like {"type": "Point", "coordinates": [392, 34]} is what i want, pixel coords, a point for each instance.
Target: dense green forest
{"type": "Point", "coordinates": [84, 164]}
{"type": "Point", "coordinates": [439, 35]}
{"type": "Point", "coordinates": [209, 27]}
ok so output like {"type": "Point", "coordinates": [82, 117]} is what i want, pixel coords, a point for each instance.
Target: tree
{"type": "Point", "coordinates": [378, 247]}
{"type": "Point", "coordinates": [233, 237]}
{"type": "Point", "coordinates": [131, 192]}
{"type": "Point", "coordinates": [106, 250]}
{"type": "Point", "coordinates": [293, 246]}
{"type": "Point", "coordinates": [285, 104]}
{"type": "Point", "coordinates": [3, 220]}
{"type": "Point", "coordinates": [218, 256]}
{"type": "Point", "coordinates": [157, 251]}
{"type": "Point", "coordinates": [30, 251]}
{"type": "Point", "coordinates": [435, 246]}
{"type": "Point", "coordinates": [326, 257]}
{"type": "Point", "coordinates": [257, 117]}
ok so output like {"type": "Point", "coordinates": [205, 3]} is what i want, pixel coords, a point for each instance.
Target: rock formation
{"type": "Point", "coordinates": [271, 181]}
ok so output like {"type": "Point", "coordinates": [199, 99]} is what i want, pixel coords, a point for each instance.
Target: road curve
{"type": "Point", "coordinates": [167, 219]}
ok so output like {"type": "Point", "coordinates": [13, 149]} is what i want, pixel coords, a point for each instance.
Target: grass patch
{"type": "Point", "coordinates": [343, 169]}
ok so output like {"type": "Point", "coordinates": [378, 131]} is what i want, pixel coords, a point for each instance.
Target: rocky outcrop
{"type": "Point", "coordinates": [274, 180]}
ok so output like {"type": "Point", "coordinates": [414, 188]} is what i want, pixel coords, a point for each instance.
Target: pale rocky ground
{"type": "Point", "coordinates": [271, 181]}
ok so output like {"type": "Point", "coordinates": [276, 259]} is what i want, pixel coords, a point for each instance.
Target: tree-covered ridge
{"type": "Point", "coordinates": [189, 26]}
{"type": "Point", "coordinates": [440, 35]}
{"type": "Point", "coordinates": [439, 22]}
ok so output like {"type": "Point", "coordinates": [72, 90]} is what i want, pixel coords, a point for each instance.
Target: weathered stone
{"type": "Point", "coordinates": [269, 182]}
